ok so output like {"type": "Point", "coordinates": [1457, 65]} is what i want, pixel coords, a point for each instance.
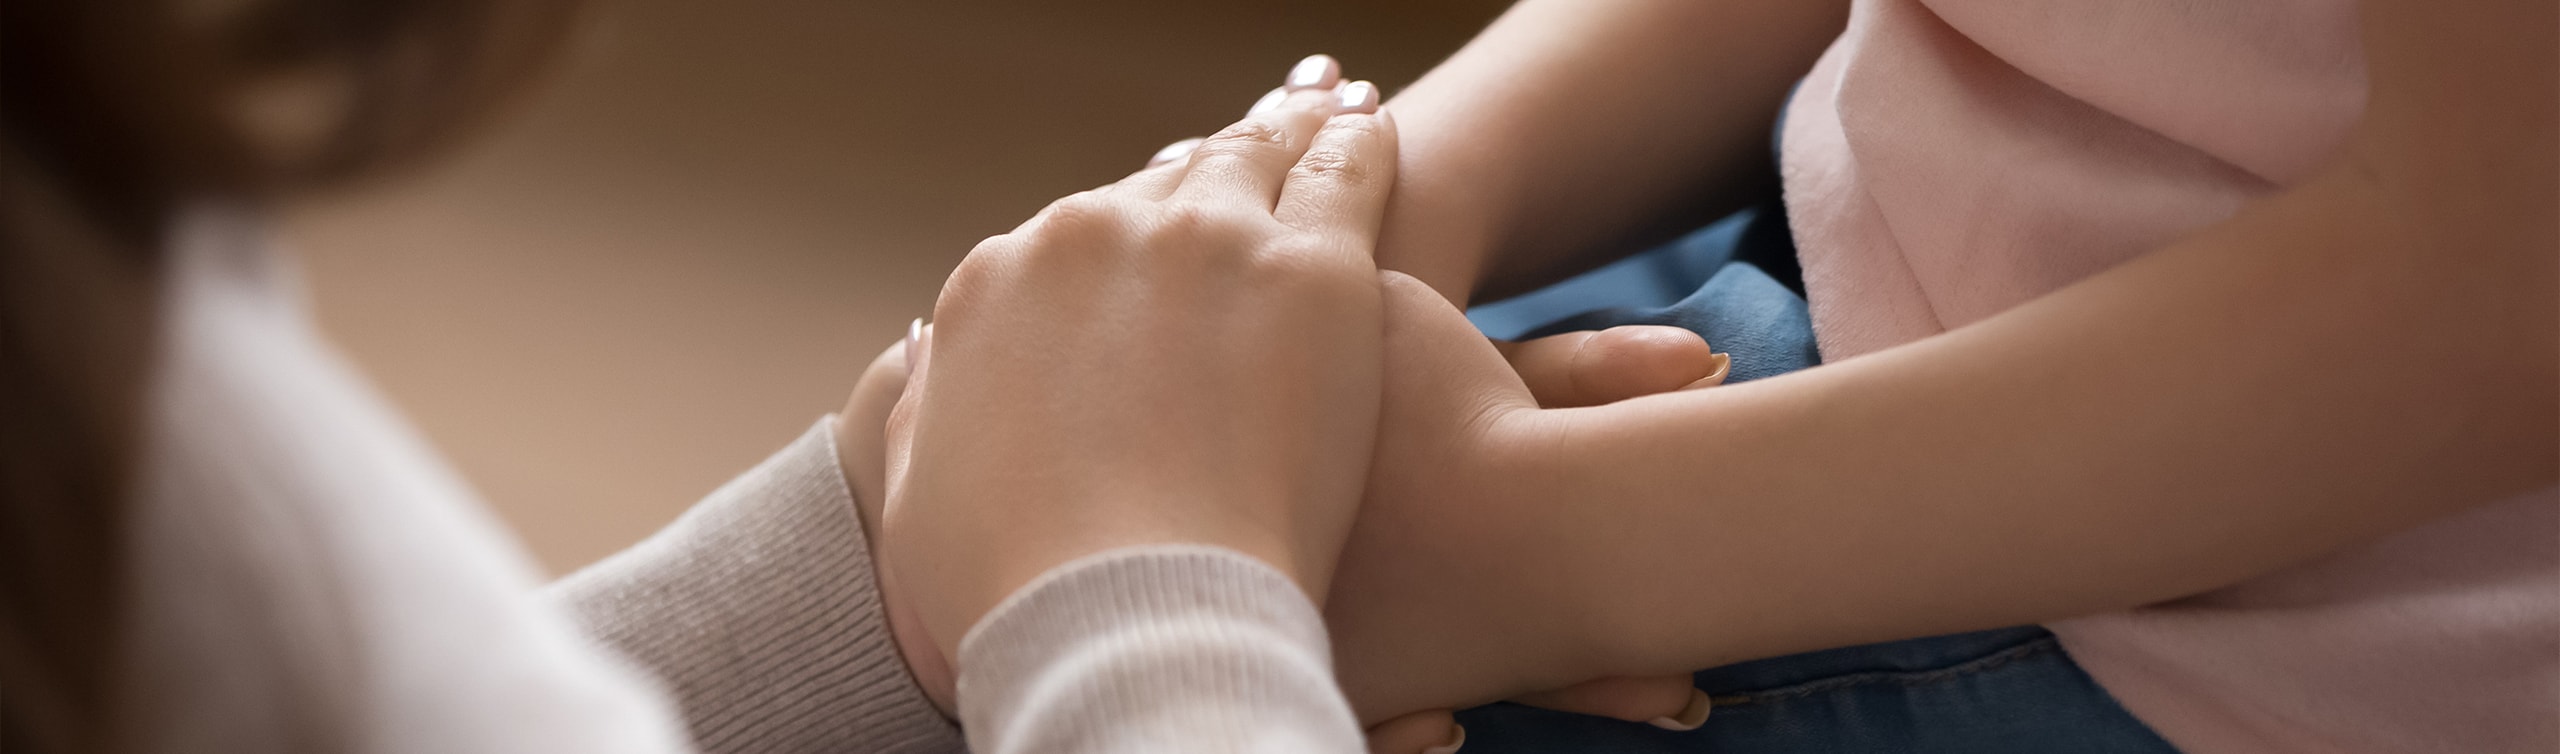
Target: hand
{"type": "Point", "coordinates": [861, 445]}
{"type": "Point", "coordinates": [1447, 595]}
{"type": "Point", "coordinates": [1189, 355]}
{"type": "Point", "coordinates": [1559, 371]}
{"type": "Point", "coordinates": [1563, 371]}
{"type": "Point", "coordinates": [862, 453]}
{"type": "Point", "coordinates": [1571, 369]}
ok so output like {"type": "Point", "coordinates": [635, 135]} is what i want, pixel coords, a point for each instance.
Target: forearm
{"type": "Point", "coordinates": [1154, 648]}
{"type": "Point", "coordinates": [2338, 363]}
{"type": "Point", "coordinates": [760, 612]}
{"type": "Point", "coordinates": [1572, 129]}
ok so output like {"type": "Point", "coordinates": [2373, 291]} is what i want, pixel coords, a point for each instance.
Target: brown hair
{"type": "Point", "coordinates": [112, 114]}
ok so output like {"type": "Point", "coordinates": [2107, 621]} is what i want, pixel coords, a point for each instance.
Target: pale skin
{"type": "Point", "coordinates": [2059, 459]}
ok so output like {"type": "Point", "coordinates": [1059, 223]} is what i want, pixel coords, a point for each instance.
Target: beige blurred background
{"type": "Point", "coordinates": [680, 252]}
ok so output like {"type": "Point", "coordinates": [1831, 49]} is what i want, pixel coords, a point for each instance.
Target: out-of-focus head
{"type": "Point", "coordinates": [113, 115]}
{"type": "Point", "coordinates": [136, 102]}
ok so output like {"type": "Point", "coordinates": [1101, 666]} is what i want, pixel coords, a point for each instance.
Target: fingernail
{"type": "Point", "coordinates": [1723, 368]}
{"type": "Point", "coordinates": [1359, 96]}
{"type": "Point", "coordinates": [1313, 72]}
{"type": "Point", "coordinates": [1270, 101]}
{"type": "Point", "coordinates": [1174, 151]}
{"type": "Point", "coordinates": [1690, 717]}
{"type": "Point", "coordinates": [915, 332]}
{"type": "Point", "coordinates": [1457, 738]}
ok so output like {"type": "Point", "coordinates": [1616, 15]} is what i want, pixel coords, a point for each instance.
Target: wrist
{"type": "Point", "coordinates": [1549, 469]}
{"type": "Point", "coordinates": [1442, 221]}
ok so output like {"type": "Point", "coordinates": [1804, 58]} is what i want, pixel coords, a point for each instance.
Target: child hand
{"type": "Point", "coordinates": [1571, 369]}
{"type": "Point", "coordinates": [1448, 595]}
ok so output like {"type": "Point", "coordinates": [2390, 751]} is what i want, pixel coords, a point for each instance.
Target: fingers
{"type": "Point", "coordinates": [861, 433]}
{"type": "Point", "coordinates": [1339, 187]}
{"type": "Point", "coordinates": [1425, 732]}
{"type": "Point", "coordinates": [1180, 150]}
{"type": "Point", "coordinates": [1607, 366]}
{"type": "Point", "coordinates": [1246, 162]}
{"type": "Point", "coordinates": [1312, 73]}
{"type": "Point", "coordinates": [898, 433]}
{"type": "Point", "coordinates": [1669, 702]}
{"type": "Point", "coordinates": [1317, 71]}
{"type": "Point", "coordinates": [1162, 173]}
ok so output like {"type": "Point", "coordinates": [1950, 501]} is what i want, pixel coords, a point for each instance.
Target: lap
{"type": "Point", "coordinates": [2007, 690]}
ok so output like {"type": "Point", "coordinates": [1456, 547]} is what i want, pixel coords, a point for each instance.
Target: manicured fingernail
{"type": "Point", "coordinates": [1314, 72]}
{"type": "Point", "coordinates": [915, 332]}
{"type": "Point", "coordinates": [1723, 368]}
{"type": "Point", "coordinates": [1174, 151]}
{"type": "Point", "coordinates": [1457, 738]}
{"type": "Point", "coordinates": [1270, 101]}
{"type": "Point", "coordinates": [1690, 717]}
{"type": "Point", "coordinates": [1358, 97]}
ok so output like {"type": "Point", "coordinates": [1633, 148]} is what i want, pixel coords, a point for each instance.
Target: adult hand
{"type": "Point", "coordinates": [1560, 371]}
{"type": "Point", "coordinates": [1572, 369]}
{"type": "Point", "coordinates": [1187, 356]}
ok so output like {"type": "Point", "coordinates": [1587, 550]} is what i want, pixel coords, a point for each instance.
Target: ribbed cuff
{"type": "Point", "coordinates": [759, 610]}
{"type": "Point", "coordinates": [1156, 648]}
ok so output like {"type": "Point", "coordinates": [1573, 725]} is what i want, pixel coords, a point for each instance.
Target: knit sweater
{"type": "Point", "coordinates": [306, 575]}
{"type": "Point", "coordinates": [1950, 159]}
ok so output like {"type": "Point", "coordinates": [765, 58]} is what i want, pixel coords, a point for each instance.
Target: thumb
{"type": "Point", "coordinates": [1592, 368]}
{"type": "Point", "coordinates": [1425, 732]}
{"type": "Point", "coordinates": [925, 660]}
{"type": "Point", "coordinates": [1668, 702]}
{"type": "Point", "coordinates": [898, 432]}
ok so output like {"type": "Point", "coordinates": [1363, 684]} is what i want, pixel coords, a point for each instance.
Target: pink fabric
{"type": "Point", "coordinates": [1949, 159]}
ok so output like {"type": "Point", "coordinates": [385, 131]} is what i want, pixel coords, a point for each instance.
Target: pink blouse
{"type": "Point", "coordinates": [1949, 159]}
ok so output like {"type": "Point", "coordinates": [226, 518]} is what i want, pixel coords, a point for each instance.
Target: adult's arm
{"type": "Point", "coordinates": [760, 611]}
{"type": "Point", "coordinates": [1574, 129]}
{"type": "Point", "coordinates": [2371, 350]}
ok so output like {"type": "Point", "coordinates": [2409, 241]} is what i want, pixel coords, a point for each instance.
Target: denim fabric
{"type": "Point", "coordinates": [1988, 692]}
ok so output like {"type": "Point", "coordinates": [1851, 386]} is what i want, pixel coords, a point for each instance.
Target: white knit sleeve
{"type": "Point", "coordinates": [1156, 648]}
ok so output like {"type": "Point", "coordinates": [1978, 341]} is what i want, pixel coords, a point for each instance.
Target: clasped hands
{"type": "Point", "coordinates": [1206, 352]}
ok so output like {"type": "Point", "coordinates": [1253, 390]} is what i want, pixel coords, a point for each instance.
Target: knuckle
{"type": "Point", "coordinates": [981, 276]}
{"type": "Point", "coordinates": [1310, 267]}
{"type": "Point", "coordinates": [1244, 138]}
{"type": "Point", "coordinates": [1002, 244]}
{"type": "Point", "coordinates": [1183, 219]}
{"type": "Point", "coordinates": [1074, 228]}
{"type": "Point", "coordinates": [976, 279]}
{"type": "Point", "coordinates": [1082, 214]}
{"type": "Point", "coordinates": [1198, 230]}
{"type": "Point", "coordinates": [1333, 165]}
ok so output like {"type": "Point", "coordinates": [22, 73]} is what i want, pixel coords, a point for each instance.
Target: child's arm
{"type": "Point", "coordinates": [1572, 130]}
{"type": "Point", "coordinates": [2342, 361]}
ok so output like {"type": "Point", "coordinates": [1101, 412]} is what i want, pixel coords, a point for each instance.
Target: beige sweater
{"type": "Point", "coordinates": [308, 576]}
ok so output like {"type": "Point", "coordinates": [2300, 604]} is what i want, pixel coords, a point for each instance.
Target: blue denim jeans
{"type": "Point", "coordinates": [1987, 692]}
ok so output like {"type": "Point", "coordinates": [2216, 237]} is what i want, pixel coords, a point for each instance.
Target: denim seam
{"type": "Point", "coordinates": [1982, 664]}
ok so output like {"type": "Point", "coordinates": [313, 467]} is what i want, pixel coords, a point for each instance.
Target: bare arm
{"type": "Point", "coordinates": [1572, 129]}
{"type": "Point", "coordinates": [2353, 357]}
